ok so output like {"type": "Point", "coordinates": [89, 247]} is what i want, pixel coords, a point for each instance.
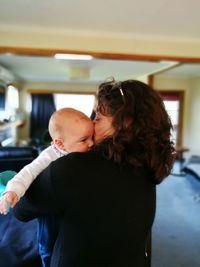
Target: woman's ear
{"type": "Point", "coordinates": [59, 143]}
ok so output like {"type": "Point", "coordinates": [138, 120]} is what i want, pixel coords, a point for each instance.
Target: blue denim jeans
{"type": "Point", "coordinates": [47, 234]}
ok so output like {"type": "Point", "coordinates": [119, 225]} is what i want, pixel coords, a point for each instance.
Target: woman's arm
{"type": "Point", "coordinates": [52, 189]}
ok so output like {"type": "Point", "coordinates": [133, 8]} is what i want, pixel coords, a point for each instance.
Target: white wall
{"type": "Point", "coordinates": [193, 129]}
{"type": "Point", "coordinates": [95, 42]}
{"type": "Point", "coordinates": [191, 119]}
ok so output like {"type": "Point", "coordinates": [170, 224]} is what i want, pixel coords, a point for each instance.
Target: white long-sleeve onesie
{"type": "Point", "coordinates": [21, 181]}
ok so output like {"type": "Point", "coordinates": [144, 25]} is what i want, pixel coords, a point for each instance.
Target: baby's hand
{"type": "Point", "coordinates": [9, 198]}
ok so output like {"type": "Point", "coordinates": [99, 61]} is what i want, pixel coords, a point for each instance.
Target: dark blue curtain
{"type": "Point", "coordinates": [42, 108]}
{"type": "Point", "coordinates": [2, 98]}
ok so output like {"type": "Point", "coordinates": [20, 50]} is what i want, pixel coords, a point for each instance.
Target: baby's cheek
{"type": "Point", "coordinates": [81, 149]}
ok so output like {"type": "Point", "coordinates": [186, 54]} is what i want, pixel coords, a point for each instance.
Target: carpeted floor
{"type": "Point", "coordinates": [176, 230]}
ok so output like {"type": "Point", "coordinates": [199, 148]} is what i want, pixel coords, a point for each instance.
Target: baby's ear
{"type": "Point", "coordinates": [58, 143]}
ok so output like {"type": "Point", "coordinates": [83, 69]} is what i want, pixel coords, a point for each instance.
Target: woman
{"type": "Point", "coordinates": [106, 197]}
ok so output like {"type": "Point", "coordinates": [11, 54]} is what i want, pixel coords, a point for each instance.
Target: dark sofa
{"type": "Point", "coordinates": [192, 166]}
{"type": "Point", "coordinates": [15, 158]}
{"type": "Point", "coordinates": [18, 240]}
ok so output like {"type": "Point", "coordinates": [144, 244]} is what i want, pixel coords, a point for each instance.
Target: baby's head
{"type": "Point", "coordinates": [71, 130]}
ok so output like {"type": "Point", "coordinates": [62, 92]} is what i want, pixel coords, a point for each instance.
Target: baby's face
{"type": "Point", "coordinates": [80, 138]}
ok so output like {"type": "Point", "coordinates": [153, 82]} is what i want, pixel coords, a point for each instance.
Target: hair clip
{"type": "Point", "coordinates": [122, 94]}
{"type": "Point", "coordinates": [121, 91]}
{"type": "Point", "coordinates": [118, 86]}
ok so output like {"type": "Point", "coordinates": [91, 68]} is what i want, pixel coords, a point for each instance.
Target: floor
{"type": "Point", "coordinates": [176, 230]}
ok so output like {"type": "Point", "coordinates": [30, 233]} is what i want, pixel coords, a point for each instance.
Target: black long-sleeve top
{"type": "Point", "coordinates": [106, 210]}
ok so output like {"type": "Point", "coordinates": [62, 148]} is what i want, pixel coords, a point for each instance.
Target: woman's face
{"type": "Point", "coordinates": [102, 127]}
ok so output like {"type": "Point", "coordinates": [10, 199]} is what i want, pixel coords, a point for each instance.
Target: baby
{"type": "Point", "coordinates": [71, 131]}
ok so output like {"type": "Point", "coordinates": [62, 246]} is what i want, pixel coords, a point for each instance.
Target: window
{"type": "Point", "coordinates": [173, 102]}
{"type": "Point", "coordinates": [173, 111]}
{"type": "Point", "coordinates": [12, 97]}
{"type": "Point", "coordinates": [82, 102]}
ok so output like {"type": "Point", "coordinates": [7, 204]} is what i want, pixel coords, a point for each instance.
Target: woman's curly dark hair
{"type": "Point", "coordinates": [142, 126]}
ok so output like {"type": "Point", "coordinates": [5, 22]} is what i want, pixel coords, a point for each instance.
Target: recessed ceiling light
{"type": "Point", "coordinates": [73, 56]}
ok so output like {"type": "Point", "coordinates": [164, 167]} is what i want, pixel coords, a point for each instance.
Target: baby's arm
{"type": "Point", "coordinates": [10, 198]}
{"type": "Point", "coordinates": [17, 186]}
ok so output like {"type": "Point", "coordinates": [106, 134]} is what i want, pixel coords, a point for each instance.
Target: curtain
{"type": "Point", "coordinates": [2, 100]}
{"type": "Point", "coordinates": [42, 108]}
{"type": "Point", "coordinates": [170, 96]}
{"type": "Point", "coordinates": [2, 96]}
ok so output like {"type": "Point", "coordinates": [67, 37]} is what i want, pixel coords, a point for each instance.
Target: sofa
{"type": "Point", "coordinates": [192, 166]}
{"type": "Point", "coordinates": [15, 158]}
{"type": "Point", "coordinates": [18, 240]}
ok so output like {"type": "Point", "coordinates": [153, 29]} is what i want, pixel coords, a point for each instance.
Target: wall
{"type": "Point", "coordinates": [193, 130]}
{"type": "Point", "coordinates": [96, 42]}
{"type": "Point", "coordinates": [191, 123]}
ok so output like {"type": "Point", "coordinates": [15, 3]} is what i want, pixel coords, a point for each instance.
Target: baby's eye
{"type": "Point", "coordinates": [83, 140]}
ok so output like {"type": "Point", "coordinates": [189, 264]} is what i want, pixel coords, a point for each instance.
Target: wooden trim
{"type": "Point", "coordinates": [102, 55]}
{"type": "Point", "coordinates": [150, 81]}
{"type": "Point", "coordinates": [54, 91]}
{"type": "Point", "coordinates": [180, 132]}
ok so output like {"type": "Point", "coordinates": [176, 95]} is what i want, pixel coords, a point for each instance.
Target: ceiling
{"type": "Point", "coordinates": [164, 18]}
{"type": "Point", "coordinates": [49, 69]}
{"type": "Point", "coordinates": [176, 19]}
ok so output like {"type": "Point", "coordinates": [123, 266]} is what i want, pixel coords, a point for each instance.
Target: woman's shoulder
{"type": "Point", "coordinates": [78, 157]}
